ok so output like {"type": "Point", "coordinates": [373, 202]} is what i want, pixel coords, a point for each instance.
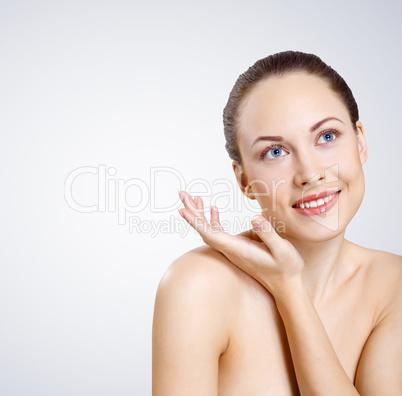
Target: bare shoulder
{"type": "Point", "coordinates": [206, 270]}
{"type": "Point", "coordinates": [193, 314]}
{"type": "Point", "coordinates": [202, 287]}
{"type": "Point", "coordinates": [195, 306]}
{"type": "Point", "coordinates": [380, 364]}
{"type": "Point", "coordinates": [382, 276]}
{"type": "Point", "coordinates": [383, 266]}
{"type": "Point", "coordinates": [202, 273]}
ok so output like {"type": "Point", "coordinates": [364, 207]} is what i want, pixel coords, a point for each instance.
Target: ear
{"type": "Point", "coordinates": [242, 180]}
{"type": "Point", "coordinates": [361, 142]}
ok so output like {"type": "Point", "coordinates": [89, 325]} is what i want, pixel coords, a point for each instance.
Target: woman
{"type": "Point", "coordinates": [299, 309]}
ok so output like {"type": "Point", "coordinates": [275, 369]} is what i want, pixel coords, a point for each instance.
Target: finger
{"type": "Point", "coordinates": [216, 238]}
{"type": "Point", "coordinates": [190, 203]}
{"type": "Point", "coordinates": [267, 234]}
{"type": "Point", "coordinates": [200, 204]}
{"type": "Point", "coordinates": [215, 223]}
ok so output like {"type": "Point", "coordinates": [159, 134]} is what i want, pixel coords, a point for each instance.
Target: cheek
{"type": "Point", "coordinates": [271, 187]}
{"type": "Point", "coordinates": [349, 162]}
{"type": "Point", "coordinates": [346, 158]}
{"type": "Point", "coordinates": [270, 180]}
{"type": "Point", "coordinates": [351, 173]}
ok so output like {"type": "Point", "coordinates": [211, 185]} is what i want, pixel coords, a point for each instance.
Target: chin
{"type": "Point", "coordinates": [314, 233]}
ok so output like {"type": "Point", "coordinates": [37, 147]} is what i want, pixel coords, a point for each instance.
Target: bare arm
{"type": "Point", "coordinates": [317, 367]}
{"type": "Point", "coordinates": [316, 364]}
{"type": "Point", "coordinates": [380, 367]}
{"type": "Point", "coordinates": [189, 329]}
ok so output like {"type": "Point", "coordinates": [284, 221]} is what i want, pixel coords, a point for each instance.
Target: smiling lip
{"type": "Point", "coordinates": [314, 197]}
{"type": "Point", "coordinates": [312, 211]}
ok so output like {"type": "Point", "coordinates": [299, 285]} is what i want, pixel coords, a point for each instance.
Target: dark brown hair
{"type": "Point", "coordinates": [277, 65]}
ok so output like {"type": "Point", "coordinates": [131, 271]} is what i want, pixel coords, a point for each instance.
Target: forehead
{"type": "Point", "coordinates": [288, 104]}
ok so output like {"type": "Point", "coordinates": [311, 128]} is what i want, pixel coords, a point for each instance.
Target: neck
{"type": "Point", "coordinates": [323, 264]}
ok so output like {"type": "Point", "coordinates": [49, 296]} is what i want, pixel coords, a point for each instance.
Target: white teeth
{"type": "Point", "coordinates": [315, 204]}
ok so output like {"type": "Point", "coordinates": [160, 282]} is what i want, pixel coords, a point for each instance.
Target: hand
{"type": "Point", "coordinates": [274, 262]}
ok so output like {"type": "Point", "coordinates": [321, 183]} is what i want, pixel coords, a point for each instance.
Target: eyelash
{"type": "Point", "coordinates": [271, 148]}
{"type": "Point", "coordinates": [334, 131]}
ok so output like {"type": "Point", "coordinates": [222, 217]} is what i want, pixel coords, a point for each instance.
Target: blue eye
{"type": "Point", "coordinates": [274, 152]}
{"type": "Point", "coordinates": [327, 137]}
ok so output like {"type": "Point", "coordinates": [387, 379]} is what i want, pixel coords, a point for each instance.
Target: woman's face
{"type": "Point", "coordinates": [299, 148]}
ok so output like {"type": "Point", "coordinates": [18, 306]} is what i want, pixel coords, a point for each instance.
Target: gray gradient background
{"type": "Point", "coordinates": [136, 85]}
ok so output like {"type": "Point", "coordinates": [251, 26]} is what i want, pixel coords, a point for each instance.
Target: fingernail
{"type": "Point", "coordinates": [256, 219]}
{"type": "Point", "coordinates": [258, 222]}
{"type": "Point", "coordinates": [181, 196]}
{"type": "Point", "coordinates": [181, 213]}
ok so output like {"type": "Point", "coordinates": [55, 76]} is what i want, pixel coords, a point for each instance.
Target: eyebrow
{"type": "Point", "coordinates": [319, 123]}
{"type": "Point", "coordinates": [280, 138]}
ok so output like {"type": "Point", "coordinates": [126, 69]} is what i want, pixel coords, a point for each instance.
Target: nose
{"type": "Point", "coordinates": [309, 171]}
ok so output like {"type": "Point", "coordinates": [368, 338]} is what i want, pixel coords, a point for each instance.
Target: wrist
{"type": "Point", "coordinates": [287, 290]}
